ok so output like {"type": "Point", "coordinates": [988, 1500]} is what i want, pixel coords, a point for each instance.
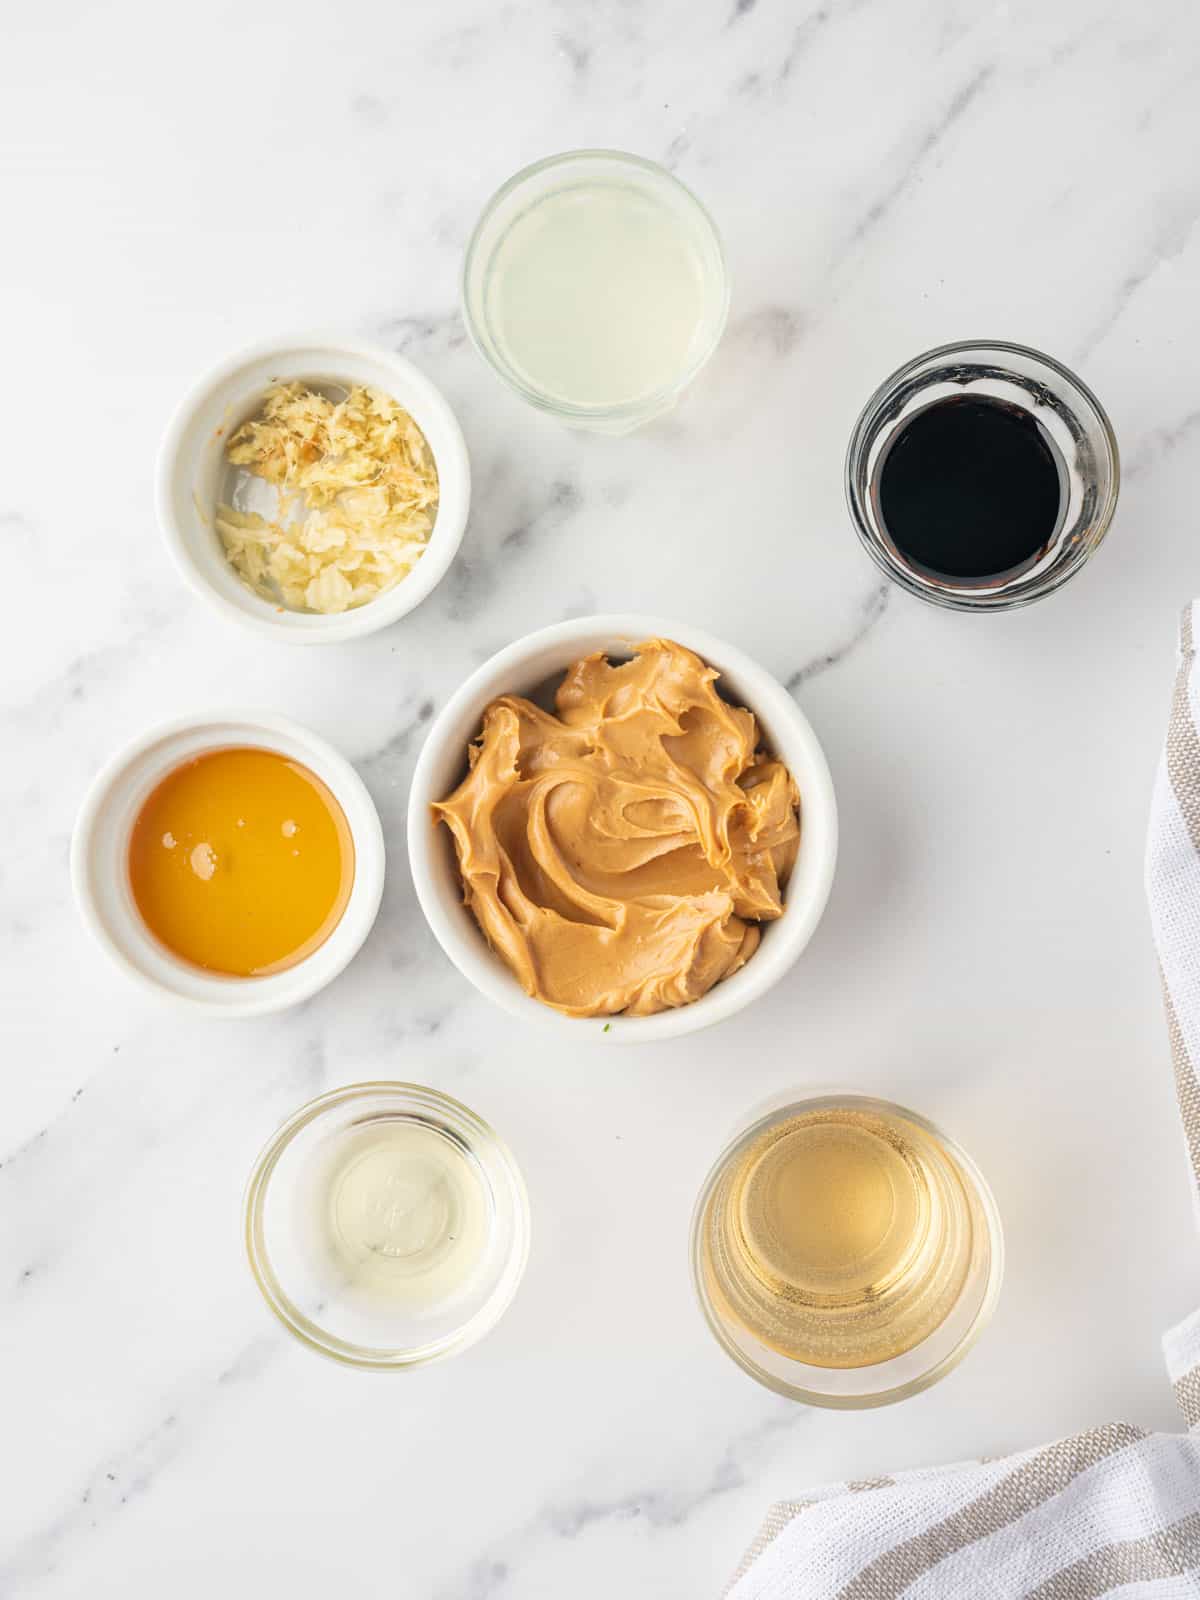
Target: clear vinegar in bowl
{"type": "Point", "coordinates": [398, 1212]}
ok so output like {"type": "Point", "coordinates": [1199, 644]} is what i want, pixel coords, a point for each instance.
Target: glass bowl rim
{"type": "Point", "coordinates": [985, 600]}
{"type": "Point", "coordinates": [644, 405]}
{"type": "Point", "coordinates": [787, 1106]}
{"type": "Point", "coordinates": [374, 1358]}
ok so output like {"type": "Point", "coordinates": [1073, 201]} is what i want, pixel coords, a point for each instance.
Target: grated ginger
{"type": "Point", "coordinates": [356, 496]}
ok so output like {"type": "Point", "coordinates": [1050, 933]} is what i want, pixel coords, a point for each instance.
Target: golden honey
{"type": "Point", "coordinates": [241, 862]}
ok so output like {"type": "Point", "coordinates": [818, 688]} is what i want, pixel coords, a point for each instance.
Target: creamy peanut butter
{"type": "Point", "coordinates": [620, 854]}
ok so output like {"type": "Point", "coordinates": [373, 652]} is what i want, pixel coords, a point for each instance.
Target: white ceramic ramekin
{"type": "Point", "coordinates": [100, 874]}
{"type": "Point", "coordinates": [191, 465]}
{"type": "Point", "coordinates": [528, 666]}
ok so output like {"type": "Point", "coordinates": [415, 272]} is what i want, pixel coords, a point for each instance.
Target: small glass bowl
{"type": "Point", "coordinates": [514, 201]}
{"type": "Point", "coordinates": [332, 1315]}
{"type": "Point", "coordinates": [886, 1381]}
{"type": "Point", "coordinates": [1070, 417]}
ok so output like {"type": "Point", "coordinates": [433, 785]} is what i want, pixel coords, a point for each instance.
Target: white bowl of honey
{"type": "Point", "coordinates": [232, 863]}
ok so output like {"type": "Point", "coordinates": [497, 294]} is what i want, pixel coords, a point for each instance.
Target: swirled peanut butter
{"type": "Point", "coordinates": [620, 854]}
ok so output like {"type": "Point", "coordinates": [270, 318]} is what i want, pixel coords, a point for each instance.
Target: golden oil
{"type": "Point", "coordinates": [841, 1234]}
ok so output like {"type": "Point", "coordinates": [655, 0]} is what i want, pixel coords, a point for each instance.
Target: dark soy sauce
{"type": "Point", "coordinates": [971, 489]}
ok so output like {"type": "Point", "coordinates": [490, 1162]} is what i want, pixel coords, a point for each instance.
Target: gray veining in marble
{"type": "Point", "coordinates": [178, 182]}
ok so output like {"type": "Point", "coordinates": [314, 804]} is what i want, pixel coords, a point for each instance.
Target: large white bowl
{"type": "Point", "coordinates": [100, 853]}
{"type": "Point", "coordinates": [527, 666]}
{"type": "Point", "coordinates": [191, 465]}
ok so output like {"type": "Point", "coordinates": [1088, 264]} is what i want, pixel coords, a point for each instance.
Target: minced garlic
{"type": "Point", "coordinates": [356, 496]}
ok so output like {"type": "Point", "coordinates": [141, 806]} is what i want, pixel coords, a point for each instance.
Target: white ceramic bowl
{"type": "Point", "coordinates": [527, 666]}
{"type": "Point", "coordinates": [192, 464]}
{"type": "Point", "coordinates": [100, 875]}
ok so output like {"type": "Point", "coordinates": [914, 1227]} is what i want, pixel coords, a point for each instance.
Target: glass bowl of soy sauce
{"type": "Point", "coordinates": [981, 476]}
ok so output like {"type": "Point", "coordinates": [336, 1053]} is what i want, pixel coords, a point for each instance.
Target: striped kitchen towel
{"type": "Point", "coordinates": [1114, 1511]}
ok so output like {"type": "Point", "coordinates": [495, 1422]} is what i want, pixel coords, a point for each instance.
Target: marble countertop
{"type": "Point", "coordinates": [180, 181]}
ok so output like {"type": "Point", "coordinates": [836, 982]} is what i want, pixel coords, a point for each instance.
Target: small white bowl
{"type": "Point", "coordinates": [524, 668]}
{"type": "Point", "coordinates": [191, 466]}
{"type": "Point", "coordinates": [100, 873]}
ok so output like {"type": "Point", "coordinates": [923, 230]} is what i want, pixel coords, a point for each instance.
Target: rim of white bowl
{"type": "Point", "coordinates": [455, 928]}
{"type": "Point", "coordinates": [431, 411]}
{"type": "Point", "coordinates": [190, 987]}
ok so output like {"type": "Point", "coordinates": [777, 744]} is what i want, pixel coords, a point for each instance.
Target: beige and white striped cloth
{"type": "Point", "coordinates": [1114, 1511]}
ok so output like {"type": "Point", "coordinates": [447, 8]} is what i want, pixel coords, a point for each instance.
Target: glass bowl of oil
{"type": "Point", "coordinates": [595, 285]}
{"type": "Point", "coordinates": [845, 1252]}
{"type": "Point", "coordinates": [387, 1225]}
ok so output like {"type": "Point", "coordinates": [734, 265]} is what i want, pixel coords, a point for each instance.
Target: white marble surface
{"type": "Point", "coordinates": [179, 180]}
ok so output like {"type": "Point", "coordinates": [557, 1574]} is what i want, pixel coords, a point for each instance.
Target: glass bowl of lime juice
{"type": "Point", "coordinates": [595, 285]}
